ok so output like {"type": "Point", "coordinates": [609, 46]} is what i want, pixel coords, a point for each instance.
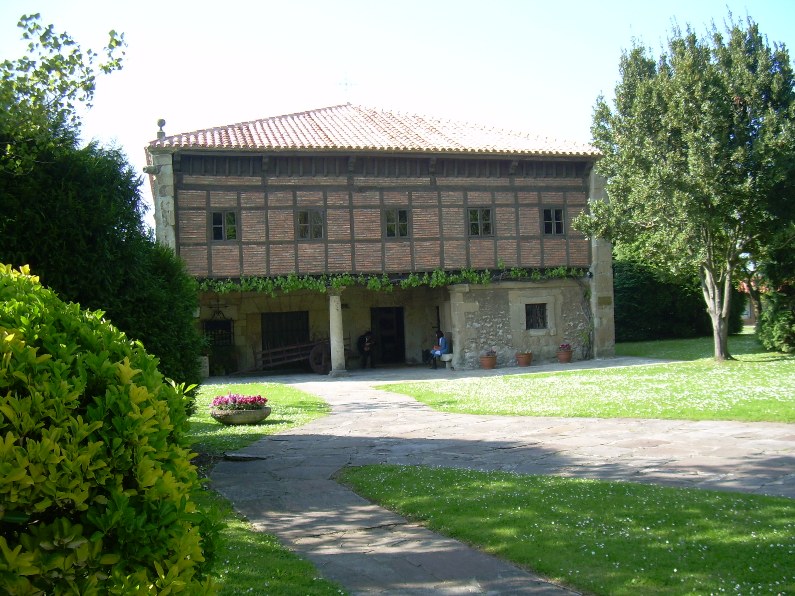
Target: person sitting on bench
{"type": "Point", "coordinates": [439, 349]}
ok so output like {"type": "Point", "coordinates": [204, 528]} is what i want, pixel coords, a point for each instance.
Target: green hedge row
{"type": "Point", "coordinates": [777, 323]}
{"type": "Point", "coordinates": [647, 308]}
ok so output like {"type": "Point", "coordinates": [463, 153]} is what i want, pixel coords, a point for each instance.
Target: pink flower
{"type": "Point", "coordinates": [235, 401]}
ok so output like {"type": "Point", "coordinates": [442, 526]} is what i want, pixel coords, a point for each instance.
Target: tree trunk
{"type": "Point", "coordinates": [717, 295]}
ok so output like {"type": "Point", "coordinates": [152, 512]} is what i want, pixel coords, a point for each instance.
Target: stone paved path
{"type": "Point", "coordinates": [284, 483]}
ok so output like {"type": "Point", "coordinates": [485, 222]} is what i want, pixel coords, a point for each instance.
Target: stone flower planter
{"type": "Point", "coordinates": [240, 416]}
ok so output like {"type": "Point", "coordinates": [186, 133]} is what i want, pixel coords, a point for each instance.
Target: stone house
{"type": "Point", "coordinates": [393, 222]}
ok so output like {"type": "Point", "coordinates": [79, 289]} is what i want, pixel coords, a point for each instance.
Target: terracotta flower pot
{"type": "Point", "coordinates": [564, 356]}
{"type": "Point", "coordinates": [240, 416]}
{"type": "Point", "coordinates": [524, 358]}
{"type": "Point", "coordinates": [488, 361]}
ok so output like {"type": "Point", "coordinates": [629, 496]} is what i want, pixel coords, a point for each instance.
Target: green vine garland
{"type": "Point", "coordinates": [284, 284]}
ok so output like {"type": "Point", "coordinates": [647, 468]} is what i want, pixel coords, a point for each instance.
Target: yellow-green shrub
{"type": "Point", "coordinates": [95, 474]}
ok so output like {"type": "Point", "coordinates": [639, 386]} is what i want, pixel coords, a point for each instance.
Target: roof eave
{"type": "Point", "coordinates": [359, 151]}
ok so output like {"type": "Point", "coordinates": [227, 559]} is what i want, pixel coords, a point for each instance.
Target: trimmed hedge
{"type": "Point", "coordinates": [95, 473]}
{"type": "Point", "coordinates": [647, 308]}
{"type": "Point", "coordinates": [101, 255]}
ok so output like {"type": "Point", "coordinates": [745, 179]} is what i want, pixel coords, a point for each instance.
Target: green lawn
{"type": "Point", "coordinates": [602, 537]}
{"type": "Point", "coordinates": [757, 386]}
{"type": "Point", "coordinates": [744, 343]}
{"type": "Point", "coordinates": [290, 408]}
{"type": "Point", "coordinates": [250, 562]}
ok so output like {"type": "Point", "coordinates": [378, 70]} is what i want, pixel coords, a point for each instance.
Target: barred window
{"type": "Point", "coordinates": [219, 332]}
{"type": "Point", "coordinates": [535, 316]}
{"type": "Point", "coordinates": [224, 225]}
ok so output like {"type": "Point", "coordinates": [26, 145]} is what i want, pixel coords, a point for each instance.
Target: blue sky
{"type": "Point", "coordinates": [526, 65]}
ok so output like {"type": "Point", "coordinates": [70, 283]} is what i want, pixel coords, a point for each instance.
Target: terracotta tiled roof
{"type": "Point", "coordinates": [356, 128]}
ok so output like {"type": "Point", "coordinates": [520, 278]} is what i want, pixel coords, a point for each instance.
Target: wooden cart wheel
{"type": "Point", "coordinates": [320, 359]}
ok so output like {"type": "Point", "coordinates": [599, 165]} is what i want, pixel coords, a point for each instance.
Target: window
{"type": "Point", "coordinates": [535, 316]}
{"type": "Point", "coordinates": [396, 223]}
{"type": "Point", "coordinates": [553, 221]}
{"type": "Point", "coordinates": [224, 225]}
{"type": "Point", "coordinates": [219, 332]}
{"type": "Point", "coordinates": [280, 329]}
{"type": "Point", "coordinates": [480, 222]}
{"type": "Point", "coordinates": [310, 224]}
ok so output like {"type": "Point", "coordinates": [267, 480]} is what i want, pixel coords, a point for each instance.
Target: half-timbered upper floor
{"type": "Point", "coordinates": [352, 190]}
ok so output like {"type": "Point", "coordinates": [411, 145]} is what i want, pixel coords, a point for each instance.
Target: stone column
{"type": "Point", "coordinates": [463, 336]}
{"type": "Point", "coordinates": [604, 329]}
{"type": "Point", "coordinates": [336, 332]}
{"type": "Point", "coordinates": [161, 174]}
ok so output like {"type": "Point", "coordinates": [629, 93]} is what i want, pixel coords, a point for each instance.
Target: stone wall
{"type": "Point", "coordinates": [493, 317]}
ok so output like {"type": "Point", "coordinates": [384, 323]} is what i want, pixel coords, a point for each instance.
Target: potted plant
{"type": "Point", "coordinates": [524, 358]}
{"type": "Point", "coordinates": [488, 359]}
{"type": "Point", "coordinates": [234, 408]}
{"type": "Point", "coordinates": [564, 353]}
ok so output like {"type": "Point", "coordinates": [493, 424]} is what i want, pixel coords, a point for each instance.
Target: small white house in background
{"type": "Point", "coordinates": [408, 201]}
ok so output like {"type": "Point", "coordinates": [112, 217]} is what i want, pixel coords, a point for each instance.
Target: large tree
{"type": "Point", "coordinates": [699, 154]}
{"type": "Point", "coordinates": [40, 92]}
{"type": "Point", "coordinates": [75, 214]}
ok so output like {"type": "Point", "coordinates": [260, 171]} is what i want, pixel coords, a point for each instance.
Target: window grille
{"type": "Point", "coordinates": [535, 316]}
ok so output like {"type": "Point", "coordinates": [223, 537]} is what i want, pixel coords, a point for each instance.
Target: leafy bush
{"type": "Point", "coordinates": [95, 477]}
{"type": "Point", "coordinates": [777, 322]}
{"type": "Point", "coordinates": [647, 307]}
